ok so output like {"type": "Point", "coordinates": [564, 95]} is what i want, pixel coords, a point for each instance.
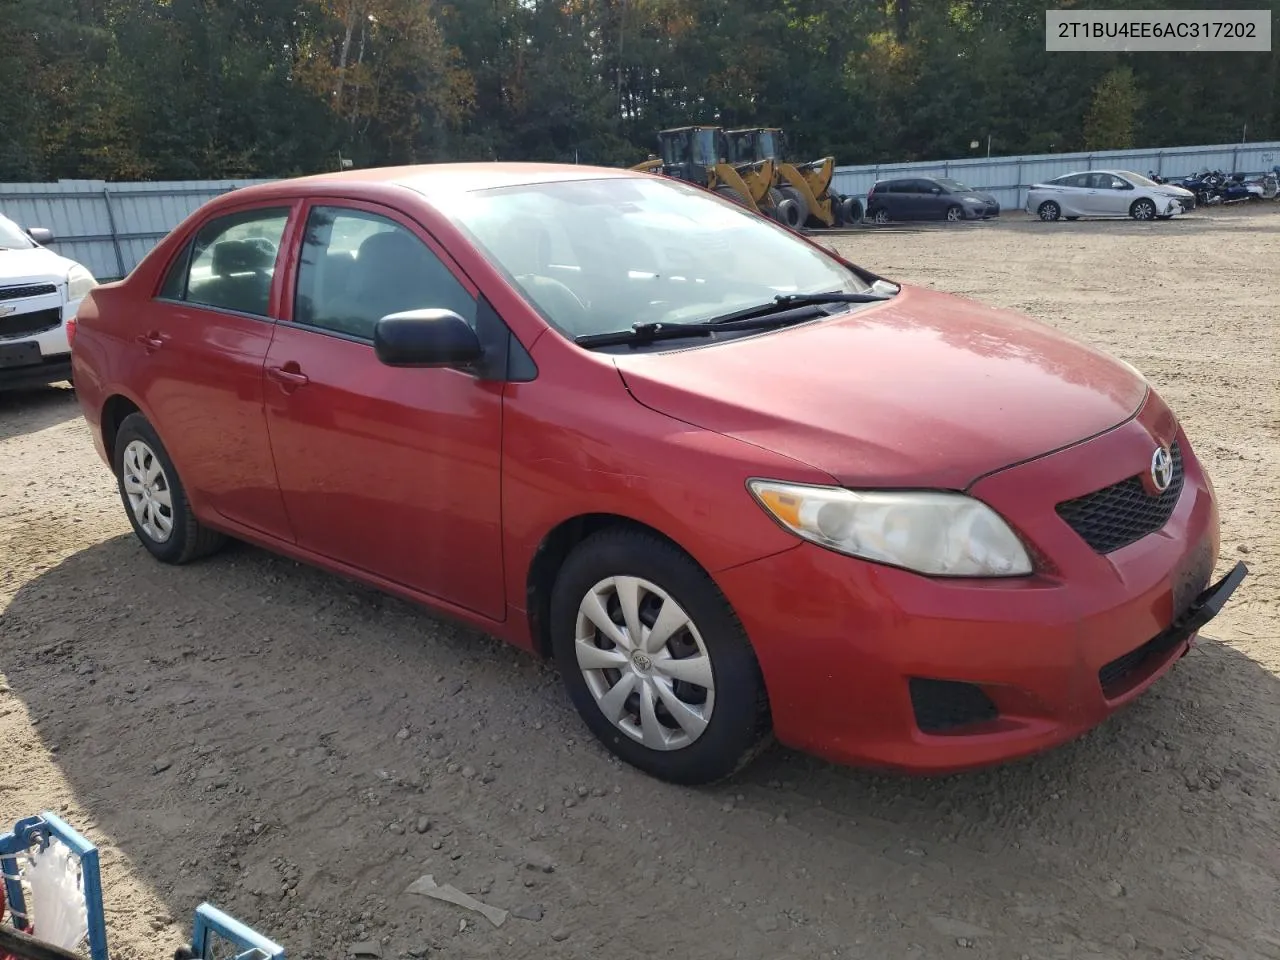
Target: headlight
{"type": "Point", "coordinates": [939, 534]}
{"type": "Point", "coordinates": [79, 282]}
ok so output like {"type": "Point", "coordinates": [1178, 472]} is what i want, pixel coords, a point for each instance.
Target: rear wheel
{"type": "Point", "coordinates": [1048, 211]}
{"type": "Point", "coordinates": [880, 215]}
{"type": "Point", "coordinates": [655, 660]}
{"type": "Point", "coordinates": [154, 498]}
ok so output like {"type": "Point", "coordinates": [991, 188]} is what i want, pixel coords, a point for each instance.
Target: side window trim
{"type": "Point", "coordinates": [181, 262]}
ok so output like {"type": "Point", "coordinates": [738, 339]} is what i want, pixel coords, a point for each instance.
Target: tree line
{"type": "Point", "coordinates": [198, 89]}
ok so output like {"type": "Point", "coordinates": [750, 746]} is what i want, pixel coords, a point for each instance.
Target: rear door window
{"type": "Point", "coordinates": [231, 263]}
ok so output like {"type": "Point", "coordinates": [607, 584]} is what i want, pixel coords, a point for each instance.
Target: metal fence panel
{"type": "Point", "coordinates": [1008, 178]}
{"type": "Point", "coordinates": [108, 227]}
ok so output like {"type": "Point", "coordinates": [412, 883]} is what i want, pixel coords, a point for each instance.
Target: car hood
{"type": "Point", "coordinates": [926, 390]}
{"type": "Point", "coordinates": [37, 264]}
{"type": "Point", "coordinates": [1178, 193]}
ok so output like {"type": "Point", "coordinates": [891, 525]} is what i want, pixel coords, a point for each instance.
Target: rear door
{"type": "Point", "coordinates": [898, 199]}
{"type": "Point", "coordinates": [1072, 194]}
{"type": "Point", "coordinates": [198, 349]}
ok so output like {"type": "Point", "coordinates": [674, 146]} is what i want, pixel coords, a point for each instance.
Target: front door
{"type": "Point", "coordinates": [200, 346]}
{"type": "Point", "coordinates": [393, 471]}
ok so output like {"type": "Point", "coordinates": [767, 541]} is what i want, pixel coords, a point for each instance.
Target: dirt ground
{"type": "Point", "coordinates": [298, 750]}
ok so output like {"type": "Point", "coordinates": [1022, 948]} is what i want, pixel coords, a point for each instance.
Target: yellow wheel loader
{"type": "Point", "coordinates": [807, 184]}
{"type": "Point", "coordinates": [697, 155]}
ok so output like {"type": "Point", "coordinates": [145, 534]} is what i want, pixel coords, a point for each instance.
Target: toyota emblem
{"type": "Point", "coordinates": [1162, 468]}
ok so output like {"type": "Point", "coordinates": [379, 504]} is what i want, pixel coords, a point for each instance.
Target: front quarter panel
{"type": "Point", "coordinates": [575, 443]}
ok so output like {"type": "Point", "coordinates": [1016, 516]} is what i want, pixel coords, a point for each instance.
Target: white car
{"type": "Point", "coordinates": [39, 292]}
{"type": "Point", "coordinates": [1107, 193]}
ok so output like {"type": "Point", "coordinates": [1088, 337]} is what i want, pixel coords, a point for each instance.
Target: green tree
{"type": "Point", "coordinates": [1112, 120]}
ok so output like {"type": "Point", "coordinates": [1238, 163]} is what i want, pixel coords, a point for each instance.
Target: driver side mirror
{"type": "Point", "coordinates": [40, 235]}
{"type": "Point", "coordinates": [425, 338]}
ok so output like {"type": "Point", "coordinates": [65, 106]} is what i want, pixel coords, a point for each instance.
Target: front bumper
{"type": "Point", "coordinates": [48, 369]}
{"type": "Point", "coordinates": [875, 666]}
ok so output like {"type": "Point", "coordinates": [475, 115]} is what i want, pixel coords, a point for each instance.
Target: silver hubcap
{"type": "Point", "coordinates": [1048, 212]}
{"type": "Point", "coordinates": [882, 217]}
{"type": "Point", "coordinates": [1145, 210]}
{"type": "Point", "coordinates": [953, 214]}
{"type": "Point", "coordinates": [644, 662]}
{"type": "Point", "coordinates": [147, 488]}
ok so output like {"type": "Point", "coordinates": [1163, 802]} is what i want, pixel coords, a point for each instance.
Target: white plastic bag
{"type": "Point", "coordinates": [58, 910]}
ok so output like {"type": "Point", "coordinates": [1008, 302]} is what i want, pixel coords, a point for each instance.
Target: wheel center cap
{"type": "Point", "coordinates": [641, 661]}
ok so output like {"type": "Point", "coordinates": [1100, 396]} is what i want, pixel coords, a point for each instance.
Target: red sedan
{"type": "Point", "coordinates": [733, 483]}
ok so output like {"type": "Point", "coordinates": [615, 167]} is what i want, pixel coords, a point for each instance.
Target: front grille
{"type": "Point", "coordinates": [943, 705]}
{"type": "Point", "coordinates": [1124, 512]}
{"type": "Point", "coordinates": [25, 324]}
{"type": "Point", "coordinates": [1117, 675]}
{"type": "Point", "coordinates": [29, 290]}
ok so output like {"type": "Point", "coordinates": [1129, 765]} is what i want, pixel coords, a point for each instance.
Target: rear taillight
{"type": "Point", "coordinates": [71, 330]}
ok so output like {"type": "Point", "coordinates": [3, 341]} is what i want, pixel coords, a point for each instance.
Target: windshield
{"type": "Point", "coordinates": [704, 147]}
{"type": "Point", "coordinates": [955, 186]}
{"type": "Point", "coordinates": [769, 146]}
{"type": "Point", "coordinates": [12, 236]}
{"type": "Point", "coordinates": [1138, 179]}
{"type": "Point", "coordinates": [598, 256]}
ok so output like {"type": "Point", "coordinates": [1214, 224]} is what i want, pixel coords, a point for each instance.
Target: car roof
{"type": "Point", "coordinates": [1078, 173]}
{"type": "Point", "coordinates": [435, 178]}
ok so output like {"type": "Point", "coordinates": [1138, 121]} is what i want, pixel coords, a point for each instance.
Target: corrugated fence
{"type": "Point", "coordinates": [109, 227]}
{"type": "Point", "coordinates": [1007, 178]}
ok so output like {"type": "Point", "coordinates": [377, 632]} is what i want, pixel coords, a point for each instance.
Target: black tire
{"type": "Point", "coordinates": [739, 725]}
{"type": "Point", "coordinates": [1142, 209]}
{"type": "Point", "coordinates": [955, 213]}
{"type": "Point", "coordinates": [729, 193]}
{"type": "Point", "coordinates": [788, 213]}
{"type": "Point", "coordinates": [187, 539]}
{"type": "Point", "coordinates": [850, 210]}
{"type": "Point", "coordinates": [1048, 211]}
{"type": "Point", "coordinates": [880, 215]}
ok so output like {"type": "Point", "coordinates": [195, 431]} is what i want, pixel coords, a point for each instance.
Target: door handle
{"type": "Point", "coordinates": [288, 378]}
{"type": "Point", "coordinates": [152, 341]}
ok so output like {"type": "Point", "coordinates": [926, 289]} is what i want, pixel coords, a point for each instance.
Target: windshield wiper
{"type": "Point", "coordinates": [784, 309]}
{"type": "Point", "coordinates": [649, 332]}
{"type": "Point", "coordinates": [788, 301]}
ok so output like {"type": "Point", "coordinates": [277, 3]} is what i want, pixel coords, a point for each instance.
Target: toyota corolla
{"type": "Point", "coordinates": [734, 484]}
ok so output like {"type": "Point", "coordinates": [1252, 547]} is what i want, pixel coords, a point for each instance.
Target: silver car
{"type": "Point", "coordinates": [1107, 193]}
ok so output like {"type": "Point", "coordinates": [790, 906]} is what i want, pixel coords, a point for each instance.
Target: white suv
{"type": "Point", "coordinates": [39, 292]}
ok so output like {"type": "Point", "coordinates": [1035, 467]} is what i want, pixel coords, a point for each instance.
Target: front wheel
{"type": "Point", "coordinates": [655, 660]}
{"type": "Point", "coordinates": [154, 498]}
{"type": "Point", "coordinates": [954, 213]}
{"type": "Point", "coordinates": [1143, 209]}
